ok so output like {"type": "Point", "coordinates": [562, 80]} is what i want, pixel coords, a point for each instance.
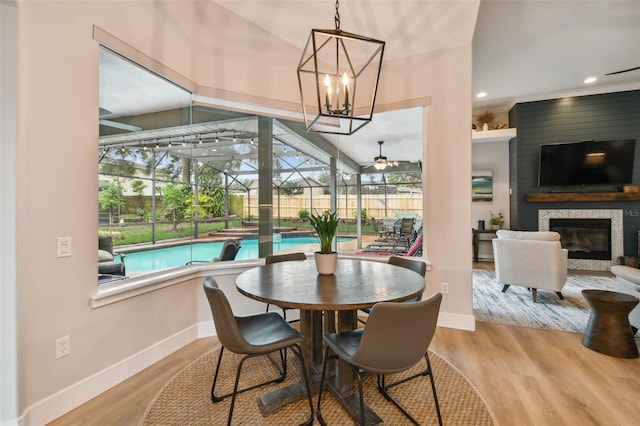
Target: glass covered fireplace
{"type": "Point", "coordinates": [584, 238]}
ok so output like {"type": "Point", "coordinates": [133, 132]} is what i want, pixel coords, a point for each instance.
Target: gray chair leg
{"type": "Point", "coordinates": [281, 369]}
{"type": "Point", "coordinates": [383, 388]}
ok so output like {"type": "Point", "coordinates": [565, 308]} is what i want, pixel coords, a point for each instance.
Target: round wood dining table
{"type": "Point", "coordinates": [356, 284]}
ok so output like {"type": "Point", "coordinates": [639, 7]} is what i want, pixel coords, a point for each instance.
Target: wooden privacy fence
{"type": "Point", "coordinates": [376, 205]}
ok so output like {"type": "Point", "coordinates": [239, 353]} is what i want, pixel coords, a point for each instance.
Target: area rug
{"type": "Point", "coordinates": [516, 307]}
{"type": "Point", "coordinates": [185, 400]}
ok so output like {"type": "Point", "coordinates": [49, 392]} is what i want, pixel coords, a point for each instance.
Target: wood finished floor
{"type": "Point", "coordinates": [526, 376]}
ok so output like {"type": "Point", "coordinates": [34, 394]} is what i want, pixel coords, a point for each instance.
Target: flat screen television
{"type": "Point", "coordinates": [607, 162]}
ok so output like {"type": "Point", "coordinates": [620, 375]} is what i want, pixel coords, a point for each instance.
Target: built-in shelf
{"type": "Point", "coordinates": [492, 135]}
{"type": "Point", "coordinates": [558, 197]}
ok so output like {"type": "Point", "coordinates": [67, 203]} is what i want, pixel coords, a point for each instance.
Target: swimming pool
{"type": "Point", "coordinates": [169, 257]}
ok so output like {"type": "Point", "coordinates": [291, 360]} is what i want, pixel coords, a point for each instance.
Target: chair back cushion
{"type": "Point", "coordinates": [504, 234]}
{"type": "Point", "coordinates": [397, 335]}
{"type": "Point", "coordinates": [105, 243]}
{"type": "Point", "coordinates": [104, 256]}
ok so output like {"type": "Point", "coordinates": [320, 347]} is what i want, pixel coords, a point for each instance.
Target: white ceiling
{"type": "Point", "coordinates": [523, 50]}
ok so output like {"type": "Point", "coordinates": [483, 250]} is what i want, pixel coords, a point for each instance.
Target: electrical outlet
{"type": "Point", "coordinates": [445, 288]}
{"type": "Point", "coordinates": [63, 346]}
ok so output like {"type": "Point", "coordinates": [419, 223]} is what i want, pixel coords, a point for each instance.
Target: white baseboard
{"type": "Point", "coordinates": [460, 322]}
{"type": "Point", "coordinates": [54, 406]}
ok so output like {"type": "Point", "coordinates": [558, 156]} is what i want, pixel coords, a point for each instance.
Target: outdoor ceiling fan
{"type": "Point", "coordinates": [381, 162]}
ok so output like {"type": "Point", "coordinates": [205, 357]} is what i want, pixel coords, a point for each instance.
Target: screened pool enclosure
{"type": "Point", "coordinates": [172, 169]}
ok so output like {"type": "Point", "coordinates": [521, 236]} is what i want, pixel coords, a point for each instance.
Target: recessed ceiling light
{"type": "Point", "coordinates": [590, 80]}
{"type": "Point", "coordinates": [481, 94]}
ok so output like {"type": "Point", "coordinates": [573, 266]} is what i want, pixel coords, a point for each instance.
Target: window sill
{"type": "Point", "coordinates": [117, 291]}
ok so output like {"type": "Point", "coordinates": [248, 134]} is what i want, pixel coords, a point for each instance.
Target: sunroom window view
{"type": "Point", "coordinates": [176, 174]}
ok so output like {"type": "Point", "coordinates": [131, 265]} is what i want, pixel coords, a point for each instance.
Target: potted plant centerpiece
{"type": "Point", "coordinates": [325, 225]}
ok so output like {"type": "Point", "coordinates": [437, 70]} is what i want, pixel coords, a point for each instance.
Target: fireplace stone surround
{"type": "Point", "coordinates": [617, 240]}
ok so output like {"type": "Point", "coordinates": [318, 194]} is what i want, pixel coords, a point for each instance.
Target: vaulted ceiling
{"type": "Point", "coordinates": [522, 50]}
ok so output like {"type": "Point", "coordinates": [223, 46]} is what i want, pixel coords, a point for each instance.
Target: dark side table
{"type": "Point", "coordinates": [476, 239]}
{"type": "Point", "coordinates": [608, 330]}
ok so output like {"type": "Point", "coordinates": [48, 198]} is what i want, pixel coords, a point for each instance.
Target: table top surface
{"type": "Point", "coordinates": [356, 284]}
{"type": "Point", "coordinates": [608, 296]}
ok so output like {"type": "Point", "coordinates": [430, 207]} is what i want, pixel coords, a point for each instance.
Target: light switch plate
{"type": "Point", "coordinates": [64, 247]}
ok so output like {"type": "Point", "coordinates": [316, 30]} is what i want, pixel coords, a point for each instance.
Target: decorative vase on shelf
{"type": "Point", "coordinates": [485, 127]}
{"type": "Point", "coordinates": [326, 262]}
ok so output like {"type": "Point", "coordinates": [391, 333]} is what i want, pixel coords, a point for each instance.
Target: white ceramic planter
{"type": "Point", "coordinates": [326, 262]}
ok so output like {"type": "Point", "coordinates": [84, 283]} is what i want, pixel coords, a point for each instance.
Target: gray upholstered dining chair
{"type": "Point", "coordinates": [374, 348]}
{"type": "Point", "coordinates": [275, 258]}
{"type": "Point", "coordinates": [415, 265]}
{"type": "Point", "coordinates": [252, 336]}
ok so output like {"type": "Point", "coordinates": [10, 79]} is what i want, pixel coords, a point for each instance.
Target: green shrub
{"type": "Point", "coordinates": [303, 214]}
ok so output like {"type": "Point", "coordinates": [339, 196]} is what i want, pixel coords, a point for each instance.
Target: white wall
{"type": "Point", "coordinates": [493, 156]}
{"type": "Point", "coordinates": [56, 185]}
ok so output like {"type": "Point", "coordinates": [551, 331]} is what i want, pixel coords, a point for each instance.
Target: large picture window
{"type": "Point", "coordinates": [178, 180]}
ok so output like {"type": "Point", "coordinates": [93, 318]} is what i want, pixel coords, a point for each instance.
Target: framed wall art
{"type": "Point", "coordinates": [482, 185]}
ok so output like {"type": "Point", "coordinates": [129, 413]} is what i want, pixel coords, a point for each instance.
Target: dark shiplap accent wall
{"type": "Point", "coordinates": [594, 117]}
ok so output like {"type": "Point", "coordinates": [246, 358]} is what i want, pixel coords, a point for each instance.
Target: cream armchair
{"type": "Point", "coordinates": [535, 260]}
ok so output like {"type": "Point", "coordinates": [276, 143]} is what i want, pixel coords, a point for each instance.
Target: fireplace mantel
{"type": "Point", "coordinates": [558, 197]}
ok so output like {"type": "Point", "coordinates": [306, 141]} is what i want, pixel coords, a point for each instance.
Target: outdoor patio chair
{"type": "Point", "coordinates": [107, 265]}
{"type": "Point", "coordinates": [383, 232]}
{"type": "Point", "coordinates": [405, 233]}
{"type": "Point", "coordinates": [252, 336]}
{"type": "Point", "coordinates": [375, 348]}
{"type": "Point", "coordinates": [229, 251]}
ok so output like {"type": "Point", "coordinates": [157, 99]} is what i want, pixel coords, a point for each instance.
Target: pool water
{"type": "Point", "coordinates": [169, 257]}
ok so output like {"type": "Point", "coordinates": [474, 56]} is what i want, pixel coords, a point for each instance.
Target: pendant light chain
{"type": "Point", "coordinates": [337, 17]}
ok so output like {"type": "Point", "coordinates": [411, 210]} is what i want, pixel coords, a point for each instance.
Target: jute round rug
{"type": "Point", "coordinates": [186, 400]}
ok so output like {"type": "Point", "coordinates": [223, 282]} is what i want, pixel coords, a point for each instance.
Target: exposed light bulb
{"type": "Point", "coordinates": [590, 80]}
{"type": "Point", "coordinates": [481, 94]}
